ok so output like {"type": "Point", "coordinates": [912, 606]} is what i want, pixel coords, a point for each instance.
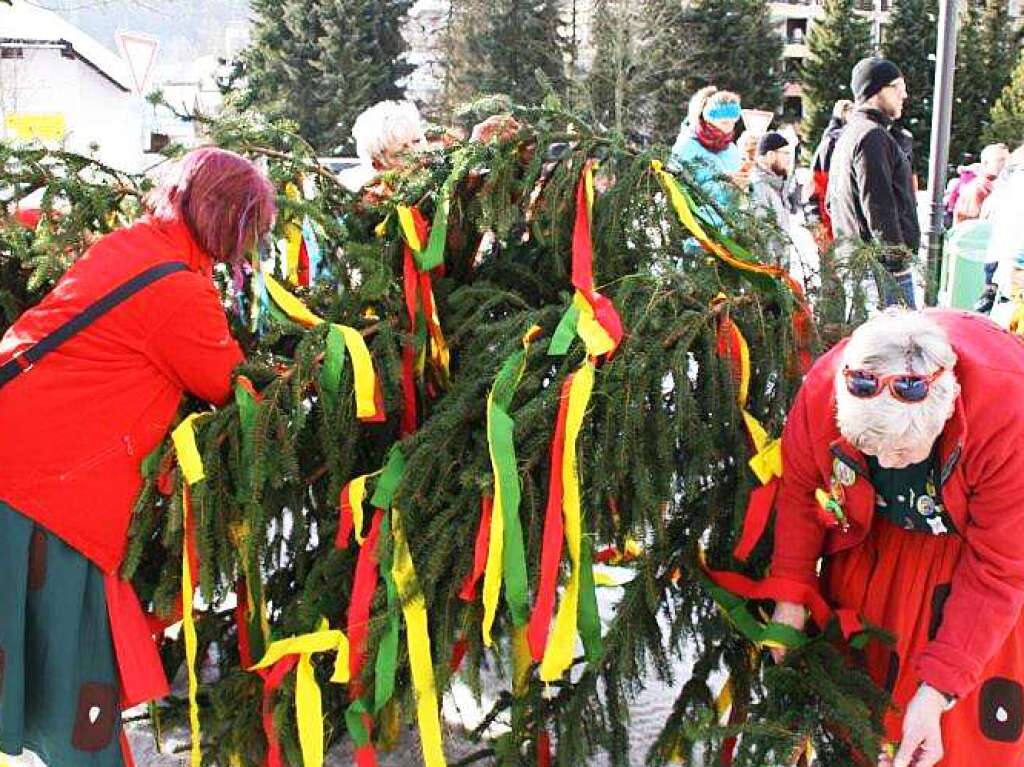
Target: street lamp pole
{"type": "Point", "coordinates": [942, 109]}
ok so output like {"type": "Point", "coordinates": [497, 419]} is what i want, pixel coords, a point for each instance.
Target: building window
{"type": "Point", "coordinates": [12, 52]}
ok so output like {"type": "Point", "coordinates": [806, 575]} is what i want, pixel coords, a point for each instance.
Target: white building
{"type": "Point", "coordinates": [59, 85]}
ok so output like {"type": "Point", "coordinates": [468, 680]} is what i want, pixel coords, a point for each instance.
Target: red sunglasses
{"type": "Point", "coordinates": [906, 387]}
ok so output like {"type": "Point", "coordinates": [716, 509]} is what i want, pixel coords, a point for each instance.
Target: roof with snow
{"type": "Point", "coordinates": [27, 24]}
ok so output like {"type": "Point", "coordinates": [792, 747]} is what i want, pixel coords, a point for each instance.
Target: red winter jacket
{"type": "Point", "coordinates": [75, 428]}
{"type": "Point", "coordinates": [983, 461]}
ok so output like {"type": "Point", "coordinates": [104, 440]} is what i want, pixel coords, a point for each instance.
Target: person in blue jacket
{"type": "Point", "coordinates": [706, 145]}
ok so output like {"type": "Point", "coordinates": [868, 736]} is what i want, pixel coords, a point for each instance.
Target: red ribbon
{"type": "Point", "coordinates": [551, 550]}
{"type": "Point", "coordinates": [272, 679]}
{"type": "Point", "coordinates": [458, 653]}
{"type": "Point", "coordinates": [359, 608]}
{"type": "Point", "coordinates": [543, 749]}
{"type": "Point", "coordinates": [483, 537]}
{"type": "Point", "coordinates": [779, 589]}
{"type": "Point", "coordinates": [303, 266]}
{"type": "Point", "coordinates": [583, 263]}
{"type": "Point", "coordinates": [759, 509]}
{"type": "Point", "coordinates": [242, 623]}
{"type": "Point", "coordinates": [410, 420]}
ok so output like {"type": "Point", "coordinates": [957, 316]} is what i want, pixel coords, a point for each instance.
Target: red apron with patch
{"type": "Point", "coordinates": [900, 580]}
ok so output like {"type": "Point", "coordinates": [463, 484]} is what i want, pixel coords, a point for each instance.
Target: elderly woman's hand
{"type": "Point", "coordinates": [922, 729]}
{"type": "Point", "coordinates": [788, 614]}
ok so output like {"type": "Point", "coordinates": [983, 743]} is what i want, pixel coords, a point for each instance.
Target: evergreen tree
{"type": "Point", "coordinates": [1007, 119]}
{"type": "Point", "coordinates": [836, 44]}
{"type": "Point", "coordinates": [734, 45]}
{"type": "Point", "coordinates": [984, 66]}
{"type": "Point", "coordinates": [509, 41]}
{"type": "Point", "coordinates": [661, 456]}
{"type": "Point", "coordinates": [638, 78]}
{"type": "Point", "coordinates": [910, 41]}
{"type": "Point", "coordinates": [970, 111]}
{"type": "Point", "coordinates": [321, 63]}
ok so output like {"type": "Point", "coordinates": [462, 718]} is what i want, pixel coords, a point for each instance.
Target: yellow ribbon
{"type": "Point", "coordinates": [767, 460]}
{"type": "Point", "coordinates": [495, 550]}
{"type": "Point", "coordinates": [562, 643]}
{"type": "Point", "coordinates": [356, 495]}
{"type": "Point", "coordinates": [405, 220]}
{"type": "Point", "coordinates": [724, 700]}
{"type": "Point", "coordinates": [594, 336]}
{"type": "Point", "coordinates": [418, 640]}
{"type": "Point", "coordinates": [293, 238]}
{"type": "Point", "coordinates": [678, 201]}
{"type": "Point", "coordinates": [521, 661]}
{"type": "Point", "coordinates": [362, 366]}
{"type": "Point", "coordinates": [191, 463]}
{"type": "Point", "coordinates": [290, 305]}
{"type": "Point", "coordinates": [363, 373]}
{"type": "Point", "coordinates": [308, 703]}
{"type": "Point", "coordinates": [184, 439]}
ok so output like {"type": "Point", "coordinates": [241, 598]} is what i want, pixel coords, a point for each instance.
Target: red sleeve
{"type": "Point", "coordinates": [194, 348]}
{"type": "Point", "coordinates": [799, 536]}
{"type": "Point", "coordinates": [988, 583]}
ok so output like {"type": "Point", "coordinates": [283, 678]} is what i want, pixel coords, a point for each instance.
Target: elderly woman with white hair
{"type": "Point", "coordinates": [903, 475]}
{"type": "Point", "coordinates": [385, 135]}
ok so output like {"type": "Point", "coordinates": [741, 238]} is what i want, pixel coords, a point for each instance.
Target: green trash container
{"type": "Point", "coordinates": [963, 264]}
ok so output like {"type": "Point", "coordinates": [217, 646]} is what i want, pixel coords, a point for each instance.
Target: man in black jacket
{"type": "Point", "coordinates": [871, 193]}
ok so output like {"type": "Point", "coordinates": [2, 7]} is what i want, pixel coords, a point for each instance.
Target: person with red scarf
{"type": "Point", "coordinates": [908, 429]}
{"type": "Point", "coordinates": [76, 423]}
{"type": "Point", "coordinates": [706, 145]}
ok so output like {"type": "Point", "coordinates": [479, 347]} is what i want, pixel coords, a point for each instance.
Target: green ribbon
{"type": "Point", "coordinates": [391, 476]}
{"type": "Point", "coordinates": [589, 621]}
{"type": "Point", "coordinates": [354, 723]}
{"type": "Point", "coordinates": [386, 664]}
{"type": "Point", "coordinates": [432, 255]}
{"type": "Point", "coordinates": [334, 362]}
{"type": "Point", "coordinates": [564, 334]}
{"type": "Point", "coordinates": [739, 614]}
{"type": "Point", "coordinates": [501, 438]}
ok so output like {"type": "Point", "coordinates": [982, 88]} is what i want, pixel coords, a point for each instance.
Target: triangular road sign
{"type": "Point", "coordinates": [139, 50]}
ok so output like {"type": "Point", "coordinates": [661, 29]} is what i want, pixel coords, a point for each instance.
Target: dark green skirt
{"type": "Point", "coordinates": [59, 693]}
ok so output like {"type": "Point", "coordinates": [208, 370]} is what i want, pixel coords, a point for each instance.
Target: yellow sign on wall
{"type": "Point", "coordinates": [44, 126]}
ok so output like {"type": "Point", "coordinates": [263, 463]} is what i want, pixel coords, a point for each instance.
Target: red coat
{"type": "Point", "coordinates": [982, 460]}
{"type": "Point", "coordinates": [75, 429]}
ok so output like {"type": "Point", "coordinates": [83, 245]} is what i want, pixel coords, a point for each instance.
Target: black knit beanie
{"type": "Point", "coordinates": [871, 75]}
{"type": "Point", "coordinates": [770, 142]}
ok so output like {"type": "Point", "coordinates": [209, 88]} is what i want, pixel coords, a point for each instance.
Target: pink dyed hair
{"type": "Point", "coordinates": [224, 199]}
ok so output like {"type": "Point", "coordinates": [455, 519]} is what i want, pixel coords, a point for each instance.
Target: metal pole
{"type": "Point", "coordinates": [942, 108]}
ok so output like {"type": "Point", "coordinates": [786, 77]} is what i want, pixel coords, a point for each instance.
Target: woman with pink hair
{"type": "Point", "coordinates": [90, 382]}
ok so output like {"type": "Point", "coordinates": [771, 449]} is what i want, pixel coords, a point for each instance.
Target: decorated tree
{"type": "Point", "coordinates": [456, 399]}
{"type": "Point", "coordinates": [836, 43]}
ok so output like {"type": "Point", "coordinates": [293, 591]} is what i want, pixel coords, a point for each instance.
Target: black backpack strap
{"type": "Point", "coordinates": [25, 359]}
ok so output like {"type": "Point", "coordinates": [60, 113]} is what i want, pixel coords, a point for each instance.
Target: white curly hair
{"type": "Point", "coordinates": [897, 341]}
{"type": "Point", "coordinates": [387, 126]}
